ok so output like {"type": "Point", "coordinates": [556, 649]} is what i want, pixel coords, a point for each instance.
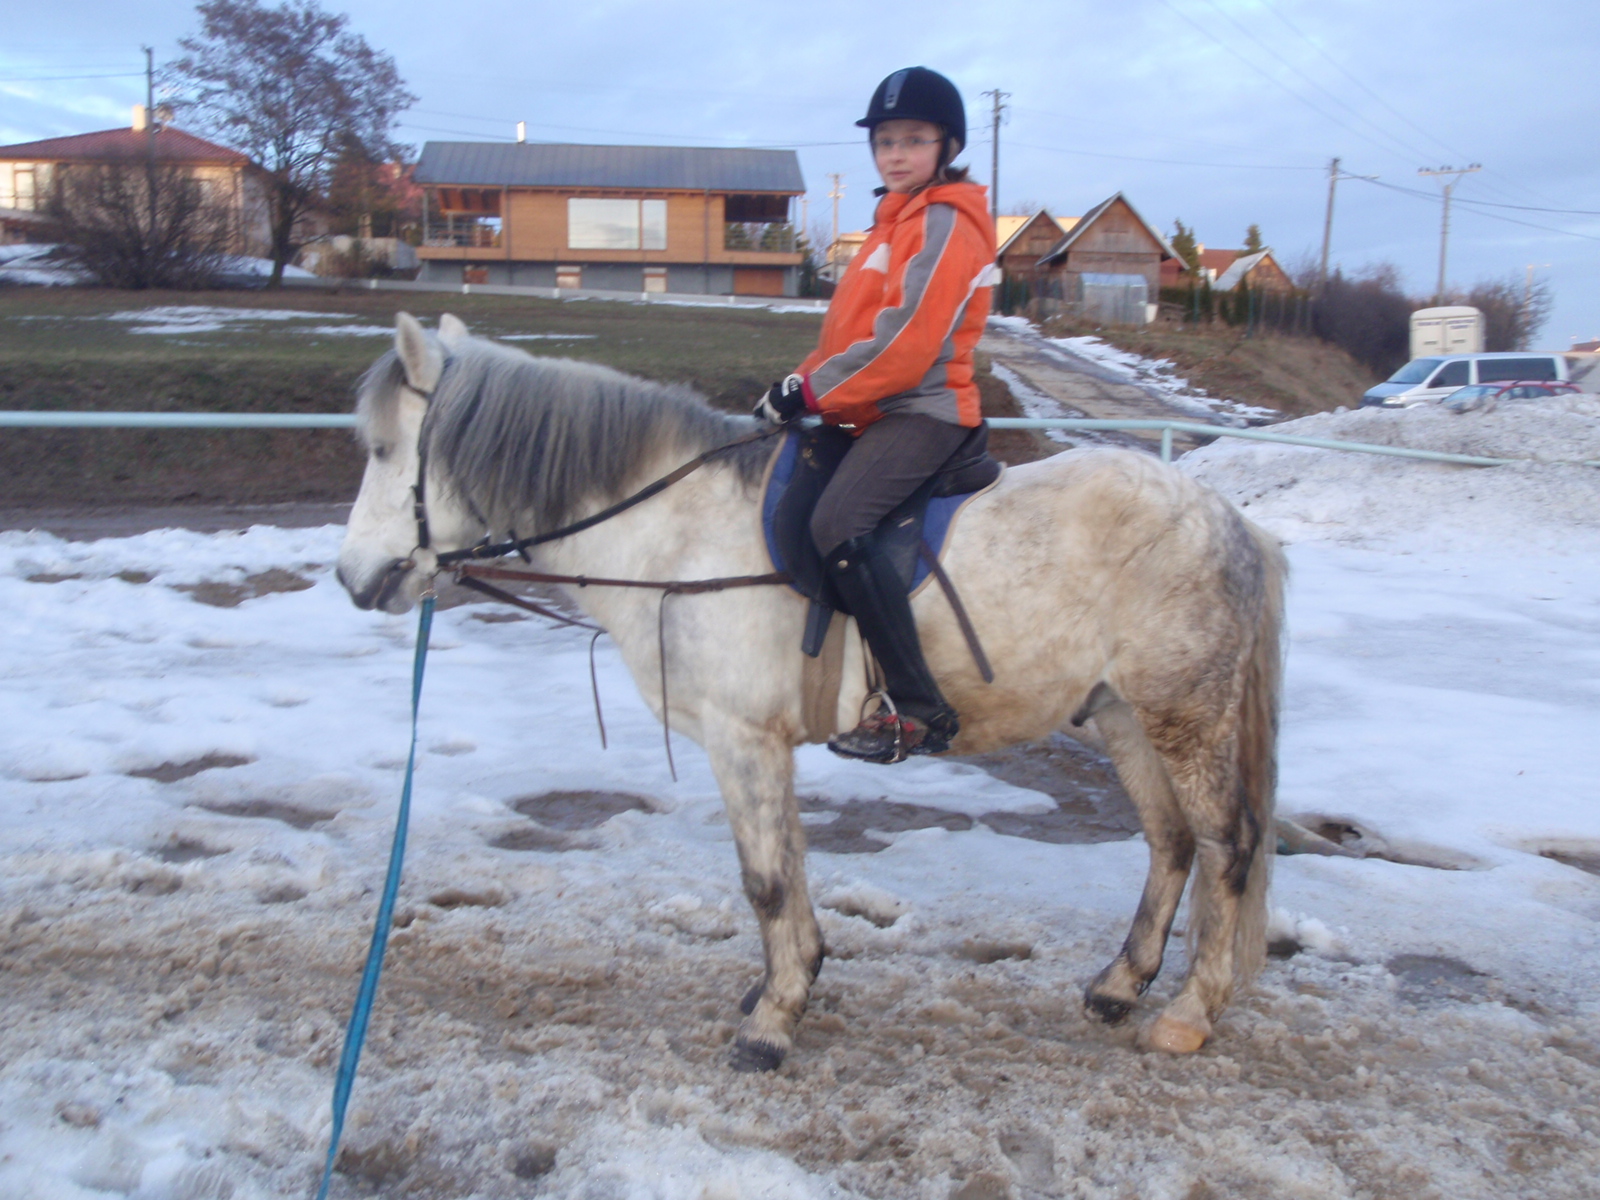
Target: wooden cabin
{"type": "Point", "coordinates": [1108, 264]}
{"type": "Point", "coordinates": [1225, 270]}
{"type": "Point", "coordinates": [1021, 241]}
{"type": "Point", "coordinates": [617, 218]}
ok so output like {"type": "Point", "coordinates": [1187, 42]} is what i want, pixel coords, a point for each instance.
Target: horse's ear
{"type": "Point", "coordinates": [419, 354]}
{"type": "Point", "coordinates": [452, 330]}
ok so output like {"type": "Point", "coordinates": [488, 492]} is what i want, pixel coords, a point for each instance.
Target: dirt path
{"type": "Point", "coordinates": [1081, 386]}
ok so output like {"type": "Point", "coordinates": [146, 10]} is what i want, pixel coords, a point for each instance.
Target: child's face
{"type": "Point", "coordinates": [906, 153]}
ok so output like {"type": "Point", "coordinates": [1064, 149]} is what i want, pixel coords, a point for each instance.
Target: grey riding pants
{"type": "Point", "coordinates": [893, 457]}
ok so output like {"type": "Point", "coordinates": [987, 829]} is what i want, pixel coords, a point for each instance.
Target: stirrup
{"type": "Point", "coordinates": [887, 737]}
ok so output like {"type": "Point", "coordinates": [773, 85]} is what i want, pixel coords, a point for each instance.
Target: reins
{"type": "Point", "coordinates": [472, 575]}
{"type": "Point", "coordinates": [487, 549]}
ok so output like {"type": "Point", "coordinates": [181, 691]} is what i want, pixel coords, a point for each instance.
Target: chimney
{"type": "Point", "coordinates": [522, 131]}
{"type": "Point", "coordinates": [141, 118]}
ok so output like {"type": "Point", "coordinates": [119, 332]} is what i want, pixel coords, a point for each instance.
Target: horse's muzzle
{"type": "Point", "coordinates": [382, 589]}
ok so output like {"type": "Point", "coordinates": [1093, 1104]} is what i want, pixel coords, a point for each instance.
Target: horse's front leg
{"type": "Point", "coordinates": [754, 766]}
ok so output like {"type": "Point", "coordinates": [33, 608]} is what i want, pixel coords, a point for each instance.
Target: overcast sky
{"type": "Point", "coordinates": [1216, 112]}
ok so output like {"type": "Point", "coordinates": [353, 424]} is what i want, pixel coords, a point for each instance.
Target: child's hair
{"type": "Point", "coordinates": [950, 174]}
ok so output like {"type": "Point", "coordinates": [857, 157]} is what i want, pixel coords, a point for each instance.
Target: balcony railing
{"type": "Point", "coordinates": [774, 236]}
{"type": "Point", "coordinates": [469, 232]}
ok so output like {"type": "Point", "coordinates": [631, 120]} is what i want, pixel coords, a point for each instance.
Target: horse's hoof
{"type": "Point", "coordinates": [749, 1057]}
{"type": "Point", "coordinates": [1110, 1009]}
{"type": "Point", "coordinates": [752, 998]}
{"type": "Point", "coordinates": [1173, 1036]}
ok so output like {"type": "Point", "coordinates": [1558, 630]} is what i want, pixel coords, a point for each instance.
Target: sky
{"type": "Point", "coordinates": [1219, 113]}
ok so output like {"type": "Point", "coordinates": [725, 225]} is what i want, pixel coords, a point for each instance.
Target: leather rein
{"type": "Point", "coordinates": [470, 570]}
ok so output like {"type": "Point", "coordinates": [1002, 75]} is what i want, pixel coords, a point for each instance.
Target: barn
{"type": "Point", "coordinates": [1108, 264]}
{"type": "Point", "coordinates": [619, 218]}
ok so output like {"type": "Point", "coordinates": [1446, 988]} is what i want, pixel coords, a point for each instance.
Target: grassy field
{"type": "Point", "coordinates": [70, 348]}
{"type": "Point", "coordinates": [293, 351]}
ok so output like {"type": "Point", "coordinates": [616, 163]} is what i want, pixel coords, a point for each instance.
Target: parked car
{"type": "Point", "coordinates": [1485, 396]}
{"type": "Point", "coordinates": [1424, 379]}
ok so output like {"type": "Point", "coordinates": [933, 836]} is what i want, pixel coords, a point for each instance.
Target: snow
{"type": "Point", "coordinates": [1546, 500]}
{"type": "Point", "coordinates": [31, 264]}
{"type": "Point", "coordinates": [1157, 375]}
{"type": "Point", "coordinates": [180, 955]}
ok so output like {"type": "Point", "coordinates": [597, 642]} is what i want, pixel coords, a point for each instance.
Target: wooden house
{"type": "Point", "coordinates": [1108, 264]}
{"type": "Point", "coordinates": [32, 172]}
{"type": "Point", "coordinates": [1225, 270]}
{"type": "Point", "coordinates": [1021, 241]}
{"type": "Point", "coordinates": [618, 218]}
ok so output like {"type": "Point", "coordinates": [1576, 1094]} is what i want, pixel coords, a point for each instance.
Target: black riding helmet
{"type": "Point", "coordinates": [918, 94]}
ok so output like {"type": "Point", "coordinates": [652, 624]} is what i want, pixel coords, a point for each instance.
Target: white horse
{"type": "Point", "coordinates": [1114, 596]}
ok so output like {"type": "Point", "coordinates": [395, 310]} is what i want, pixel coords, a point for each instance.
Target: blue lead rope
{"type": "Point", "coordinates": [356, 1032]}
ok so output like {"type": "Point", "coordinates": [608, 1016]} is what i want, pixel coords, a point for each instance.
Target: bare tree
{"type": "Point", "coordinates": [296, 91]}
{"type": "Point", "coordinates": [140, 223]}
{"type": "Point", "coordinates": [1513, 310]}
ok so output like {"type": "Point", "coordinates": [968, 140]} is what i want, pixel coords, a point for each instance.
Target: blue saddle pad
{"type": "Point", "coordinates": [937, 513]}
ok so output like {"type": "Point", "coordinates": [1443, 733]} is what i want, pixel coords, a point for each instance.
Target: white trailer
{"type": "Point", "coordinates": [1455, 329]}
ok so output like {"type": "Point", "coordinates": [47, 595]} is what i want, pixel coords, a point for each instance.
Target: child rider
{"type": "Point", "coordinates": [894, 366]}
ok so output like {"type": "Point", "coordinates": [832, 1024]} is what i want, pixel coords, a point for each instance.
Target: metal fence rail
{"type": "Point", "coordinates": [160, 420]}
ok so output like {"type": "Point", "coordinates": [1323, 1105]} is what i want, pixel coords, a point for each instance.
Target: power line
{"type": "Point", "coordinates": [1337, 99]}
{"type": "Point", "coordinates": [1276, 82]}
{"type": "Point", "coordinates": [61, 78]}
{"type": "Point", "coordinates": [1171, 162]}
{"type": "Point", "coordinates": [1432, 198]}
{"type": "Point", "coordinates": [1353, 78]}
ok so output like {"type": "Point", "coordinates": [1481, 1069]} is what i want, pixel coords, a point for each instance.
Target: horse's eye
{"type": "Point", "coordinates": [380, 452]}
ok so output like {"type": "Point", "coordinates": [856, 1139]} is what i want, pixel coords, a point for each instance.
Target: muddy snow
{"type": "Point", "coordinates": [200, 747]}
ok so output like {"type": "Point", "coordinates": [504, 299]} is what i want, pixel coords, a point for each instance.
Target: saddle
{"type": "Point", "coordinates": [912, 536]}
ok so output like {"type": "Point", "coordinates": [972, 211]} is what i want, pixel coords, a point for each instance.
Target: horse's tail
{"type": "Point", "coordinates": [1258, 753]}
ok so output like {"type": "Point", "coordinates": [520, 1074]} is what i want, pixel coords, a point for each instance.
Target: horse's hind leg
{"type": "Point", "coordinates": [1116, 989]}
{"type": "Point", "coordinates": [755, 770]}
{"type": "Point", "coordinates": [1230, 878]}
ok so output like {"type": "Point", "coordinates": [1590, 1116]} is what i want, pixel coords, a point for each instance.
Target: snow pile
{"type": "Point", "coordinates": [201, 743]}
{"type": "Point", "coordinates": [1546, 499]}
{"type": "Point", "coordinates": [34, 264]}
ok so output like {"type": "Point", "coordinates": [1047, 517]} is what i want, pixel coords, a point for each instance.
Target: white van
{"type": "Point", "coordinates": [1434, 378]}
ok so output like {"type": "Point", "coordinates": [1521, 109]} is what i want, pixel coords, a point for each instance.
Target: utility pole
{"type": "Point", "coordinates": [1000, 106]}
{"type": "Point", "coordinates": [150, 136]}
{"type": "Point", "coordinates": [835, 193]}
{"type": "Point", "coordinates": [1527, 294]}
{"type": "Point", "coordinates": [1455, 174]}
{"type": "Point", "coordinates": [1334, 176]}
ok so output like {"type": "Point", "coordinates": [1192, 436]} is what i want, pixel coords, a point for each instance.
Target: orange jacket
{"type": "Point", "coordinates": [900, 331]}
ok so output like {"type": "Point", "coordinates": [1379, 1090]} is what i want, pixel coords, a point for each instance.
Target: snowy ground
{"type": "Point", "coordinates": [200, 758]}
{"type": "Point", "coordinates": [1156, 376]}
{"type": "Point", "coordinates": [36, 264]}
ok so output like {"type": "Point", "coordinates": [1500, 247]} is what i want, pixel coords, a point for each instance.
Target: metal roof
{"type": "Point", "coordinates": [682, 168]}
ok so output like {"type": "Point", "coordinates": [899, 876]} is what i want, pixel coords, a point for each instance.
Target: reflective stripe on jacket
{"type": "Point", "coordinates": [900, 331]}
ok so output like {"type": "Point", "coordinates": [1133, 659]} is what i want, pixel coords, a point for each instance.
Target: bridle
{"type": "Point", "coordinates": [469, 567]}
{"type": "Point", "coordinates": [487, 549]}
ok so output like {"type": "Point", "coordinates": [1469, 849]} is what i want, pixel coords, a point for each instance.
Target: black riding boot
{"type": "Point", "coordinates": [916, 719]}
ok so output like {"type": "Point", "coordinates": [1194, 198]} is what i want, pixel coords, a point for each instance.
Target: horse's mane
{"type": "Point", "coordinates": [529, 440]}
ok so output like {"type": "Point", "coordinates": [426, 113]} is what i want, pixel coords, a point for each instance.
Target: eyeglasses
{"type": "Point", "coordinates": [885, 144]}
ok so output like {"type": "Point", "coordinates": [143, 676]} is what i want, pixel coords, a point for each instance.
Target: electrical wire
{"type": "Point", "coordinates": [61, 78]}
{"type": "Point", "coordinates": [1171, 162]}
{"type": "Point", "coordinates": [1394, 141]}
{"type": "Point", "coordinates": [1471, 207]}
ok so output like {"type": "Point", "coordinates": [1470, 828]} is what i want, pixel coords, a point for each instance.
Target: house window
{"type": "Point", "coordinates": [655, 279]}
{"type": "Point", "coordinates": [569, 277]}
{"type": "Point", "coordinates": [17, 186]}
{"type": "Point", "coordinates": [594, 224]}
